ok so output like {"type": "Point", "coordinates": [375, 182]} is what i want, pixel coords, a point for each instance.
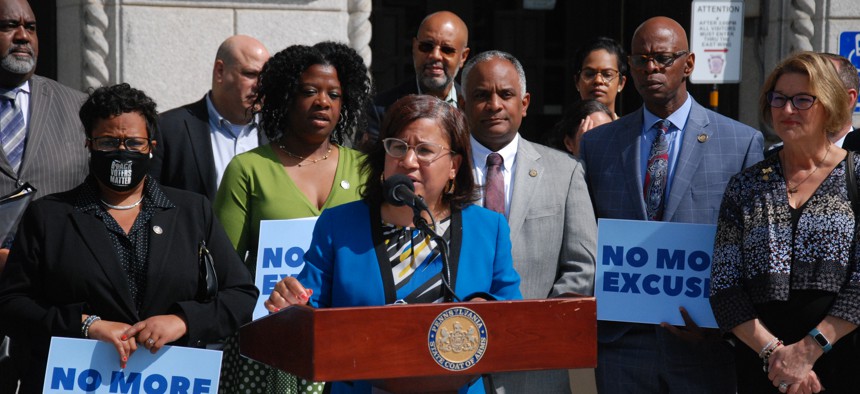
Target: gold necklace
{"type": "Point", "coordinates": [792, 190]}
{"type": "Point", "coordinates": [302, 158]}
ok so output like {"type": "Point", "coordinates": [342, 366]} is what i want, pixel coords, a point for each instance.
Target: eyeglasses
{"type": "Point", "coordinates": [427, 47]}
{"type": "Point", "coordinates": [426, 152]}
{"type": "Point", "coordinates": [662, 59]}
{"type": "Point", "coordinates": [589, 74]}
{"type": "Point", "coordinates": [108, 144]}
{"type": "Point", "coordinates": [798, 101]}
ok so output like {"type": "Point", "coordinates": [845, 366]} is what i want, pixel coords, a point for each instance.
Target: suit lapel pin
{"type": "Point", "coordinates": [344, 184]}
{"type": "Point", "coordinates": [702, 138]}
{"type": "Point", "coordinates": [533, 173]}
{"type": "Point", "coordinates": [157, 230]}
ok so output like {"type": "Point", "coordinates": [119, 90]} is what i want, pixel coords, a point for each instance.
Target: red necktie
{"type": "Point", "coordinates": [494, 194]}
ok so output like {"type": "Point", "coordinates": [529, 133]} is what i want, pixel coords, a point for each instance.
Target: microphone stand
{"type": "Point", "coordinates": [421, 223]}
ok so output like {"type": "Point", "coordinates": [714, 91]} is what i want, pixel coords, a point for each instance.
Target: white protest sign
{"type": "Point", "coordinates": [280, 253]}
{"type": "Point", "coordinates": [647, 270]}
{"type": "Point", "coordinates": [716, 37]}
{"type": "Point", "coordinates": [85, 365]}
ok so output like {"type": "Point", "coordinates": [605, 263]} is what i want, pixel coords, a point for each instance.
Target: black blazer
{"type": "Point", "coordinates": [63, 265]}
{"type": "Point", "coordinates": [183, 158]}
{"type": "Point", "coordinates": [852, 141]}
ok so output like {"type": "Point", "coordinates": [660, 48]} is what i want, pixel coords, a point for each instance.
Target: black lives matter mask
{"type": "Point", "coordinates": [119, 170]}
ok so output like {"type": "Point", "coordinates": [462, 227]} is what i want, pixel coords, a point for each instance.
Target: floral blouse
{"type": "Point", "coordinates": [759, 256]}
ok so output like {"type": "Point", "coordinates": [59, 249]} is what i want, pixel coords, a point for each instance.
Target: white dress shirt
{"type": "Point", "coordinates": [509, 165]}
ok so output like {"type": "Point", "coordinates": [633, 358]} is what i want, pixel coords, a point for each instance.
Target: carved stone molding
{"type": "Point", "coordinates": [360, 30]}
{"type": "Point", "coordinates": [95, 45]}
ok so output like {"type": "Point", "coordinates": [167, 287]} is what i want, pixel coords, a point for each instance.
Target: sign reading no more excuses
{"type": "Point", "coordinates": [647, 270]}
{"type": "Point", "coordinates": [280, 253]}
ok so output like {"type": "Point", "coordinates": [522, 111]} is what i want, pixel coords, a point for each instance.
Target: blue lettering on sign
{"type": "Point", "coordinates": [89, 380]}
{"type": "Point", "coordinates": [269, 282]}
{"type": "Point", "coordinates": [118, 383]}
{"type": "Point", "coordinates": [630, 283]}
{"type": "Point", "coordinates": [610, 282]}
{"type": "Point", "coordinates": [63, 376]}
{"type": "Point", "coordinates": [676, 261]}
{"type": "Point", "coordinates": [652, 284]}
{"type": "Point", "coordinates": [613, 255]}
{"type": "Point", "coordinates": [635, 257]}
{"type": "Point", "coordinates": [273, 257]}
{"type": "Point", "coordinates": [699, 261]}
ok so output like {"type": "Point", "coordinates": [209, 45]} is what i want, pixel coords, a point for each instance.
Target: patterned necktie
{"type": "Point", "coordinates": [657, 172]}
{"type": "Point", "coordinates": [12, 130]}
{"type": "Point", "coordinates": [494, 194]}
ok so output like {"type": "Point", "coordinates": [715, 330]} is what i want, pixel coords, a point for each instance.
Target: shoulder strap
{"type": "Point", "coordinates": [851, 179]}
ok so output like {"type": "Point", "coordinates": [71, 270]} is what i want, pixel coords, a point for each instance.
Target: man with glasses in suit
{"type": "Point", "coordinates": [668, 161]}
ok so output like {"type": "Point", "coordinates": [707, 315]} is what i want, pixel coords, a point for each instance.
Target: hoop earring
{"type": "Point", "coordinates": [451, 187]}
{"type": "Point", "coordinates": [381, 178]}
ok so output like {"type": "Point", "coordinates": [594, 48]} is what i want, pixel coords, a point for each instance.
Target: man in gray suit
{"type": "Point", "coordinates": [540, 190]}
{"type": "Point", "coordinates": [691, 158]}
{"type": "Point", "coordinates": [42, 139]}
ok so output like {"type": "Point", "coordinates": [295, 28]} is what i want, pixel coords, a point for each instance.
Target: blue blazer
{"type": "Point", "coordinates": [713, 149]}
{"type": "Point", "coordinates": [342, 268]}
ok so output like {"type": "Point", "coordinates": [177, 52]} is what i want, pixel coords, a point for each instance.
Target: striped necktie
{"type": "Point", "coordinates": [12, 130]}
{"type": "Point", "coordinates": [657, 172]}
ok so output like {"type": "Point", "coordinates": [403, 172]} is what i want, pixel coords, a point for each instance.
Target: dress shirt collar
{"type": "Point", "coordinates": [220, 123]}
{"type": "Point", "coordinates": [677, 118]}
{"type": "Point", "coordinates": [509, 154]}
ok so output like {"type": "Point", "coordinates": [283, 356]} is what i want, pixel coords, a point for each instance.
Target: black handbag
{"type": "Point", "coordinates": [207, 280]}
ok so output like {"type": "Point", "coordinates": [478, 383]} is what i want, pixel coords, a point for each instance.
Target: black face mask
{"type": "Point", "coordinates": [119, 170]}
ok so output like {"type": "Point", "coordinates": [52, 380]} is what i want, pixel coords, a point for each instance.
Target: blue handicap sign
{"type": "Point", "coordinates": [849, 47]}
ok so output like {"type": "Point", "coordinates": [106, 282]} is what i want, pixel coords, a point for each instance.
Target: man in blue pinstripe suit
{"type": "Point", "coordinates": [704, 149]}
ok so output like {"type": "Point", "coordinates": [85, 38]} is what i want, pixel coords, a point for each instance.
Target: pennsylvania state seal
{"type": "Point", "coordinates": [457, 339]}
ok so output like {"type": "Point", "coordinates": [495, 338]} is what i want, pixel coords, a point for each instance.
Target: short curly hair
{"type": "Point", "coordinates": [109, 101]}
{"type": "Point", "coordinates": [401, 114]}
{"type": "Point", "coordinates": [280, 79]}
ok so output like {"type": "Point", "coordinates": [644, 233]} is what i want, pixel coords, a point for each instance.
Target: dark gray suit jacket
{"type": "Point", "coordinates": [55, 155]}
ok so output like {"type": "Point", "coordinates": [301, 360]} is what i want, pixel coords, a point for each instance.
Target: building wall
{"type": "Point", "coordinates": [167, 48]}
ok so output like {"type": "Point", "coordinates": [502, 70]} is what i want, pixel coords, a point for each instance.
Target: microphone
{"type": "Point", "coordinates": [400, 190]}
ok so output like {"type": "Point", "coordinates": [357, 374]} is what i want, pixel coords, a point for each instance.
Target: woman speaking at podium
{"type": "Point", "coordinates": [370, 252]}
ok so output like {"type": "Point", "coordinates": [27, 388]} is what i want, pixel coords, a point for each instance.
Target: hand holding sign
{"type": "Point", "coordinates": [288, 292]}
{"type": "Point", "coordinates": [157, 331]}
{"type": "Point", "coordinates": [691, 332]}
{"type": "Point", "coordinates": [114, 333]}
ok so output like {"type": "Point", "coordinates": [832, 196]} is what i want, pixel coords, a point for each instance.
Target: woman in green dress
{"type": "Point", "coordinates": [310, 99]}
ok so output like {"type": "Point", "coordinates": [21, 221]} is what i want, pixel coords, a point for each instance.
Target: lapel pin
{"type": "Point", "coordinates": [344, 184]}
{"type": "Point", "coordinates": [532, 173]}
{"type": "Point", "coordinates": [766, 173]}
{"type": "Point", "coordinates": [702, 138]}
{"type": "Point", "coordinates": [157, 230]}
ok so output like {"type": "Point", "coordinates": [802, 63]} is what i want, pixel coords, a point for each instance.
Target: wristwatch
{"type": "Point", "coordinates": [821, 340]}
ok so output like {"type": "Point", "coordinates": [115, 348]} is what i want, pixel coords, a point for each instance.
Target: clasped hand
{"type": "Point", "coordinates": [792, 364]}
{"type": "Point", "coordinates": [153, 333]}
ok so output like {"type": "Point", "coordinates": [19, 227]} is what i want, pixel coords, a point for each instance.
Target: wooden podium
{"type": "Point", "coordinates": [392, 347]}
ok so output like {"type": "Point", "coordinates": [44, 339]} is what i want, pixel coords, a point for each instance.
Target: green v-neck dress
{"type": "Point", "coordinates": [256, 187]}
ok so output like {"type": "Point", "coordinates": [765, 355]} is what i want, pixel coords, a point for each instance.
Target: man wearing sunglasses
{"type": "Point", "coordinates": [439, 51]}
{"type": "Point", "coordinates": [668, 161]}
